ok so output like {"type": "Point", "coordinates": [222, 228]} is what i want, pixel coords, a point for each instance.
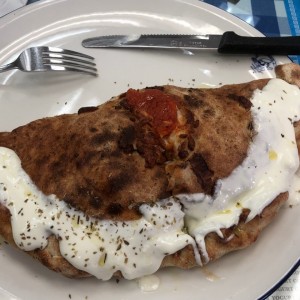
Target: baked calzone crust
{"type": "Point", "coordinates": [147, 176]}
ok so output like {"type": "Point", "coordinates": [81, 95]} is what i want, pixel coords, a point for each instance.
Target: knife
{"type": "Point", "coordinates": [228, 42]}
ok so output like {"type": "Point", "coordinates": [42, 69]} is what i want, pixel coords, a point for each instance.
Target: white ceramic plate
{"type": "Point", "coordinates": [244, 275]}
{"type": "Point", "coordinates": [7, 6]}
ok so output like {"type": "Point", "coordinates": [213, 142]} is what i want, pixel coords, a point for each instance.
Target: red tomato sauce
{"type": "Point", "coordinates": [159, 107]}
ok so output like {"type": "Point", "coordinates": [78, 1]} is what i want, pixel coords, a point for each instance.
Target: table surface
{"type": "Point", "coordinates": [272, 18]}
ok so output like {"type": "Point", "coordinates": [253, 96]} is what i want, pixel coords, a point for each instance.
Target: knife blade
{"type": "Point", "coordinates": [228, 42]}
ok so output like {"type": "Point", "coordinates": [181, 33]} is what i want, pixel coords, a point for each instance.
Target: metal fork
{"type": "Point", "coordinates": [37, 59]}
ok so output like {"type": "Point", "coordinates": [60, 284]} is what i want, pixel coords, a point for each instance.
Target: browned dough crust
{"type": "Point", "coordinates": [107, 160]}
{"type": "Point", "coordinates": [87, 160]}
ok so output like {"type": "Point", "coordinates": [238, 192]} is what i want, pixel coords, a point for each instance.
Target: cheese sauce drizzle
{"type": "Point", "coordinates": [268, 170]}
{"type": "Point", "coordinates": [101, 248]}
{"type": "Point", "coordinates": [137, 248]}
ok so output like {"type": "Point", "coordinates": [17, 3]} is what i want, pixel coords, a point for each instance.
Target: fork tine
{"type": "Point", "coordinates": [67, 58]}
{"type": "Point", "coordinates": [69, 65]}
{"type": "Point", "coordinates": [66, 52]}
{"type": "Point", "coordinates": [72, 69]}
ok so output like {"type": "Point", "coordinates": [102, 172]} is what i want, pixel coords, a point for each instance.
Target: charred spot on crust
{"type": "Point", "coordinates": [115, 209]}
{"type": "Point", "coordinates": [127, 139]}
{"type": "Point", "coordinates": [41, 161]}
{"type": "Point", "coordinates": [182, 154]}
{"type": "Point", "coordinates": [109, 153]}
{"type": "Point", "coordinates": [123, 95]}
{"type": "Point", "coordinates": [73, 136]}
{"type": "Point", "coordinates": [93, 129]}
{"type": "Point", "coordinates": [193, 102]}
{"type": "Point", "coordinates": [124, 104]}
{"type": "Point", "coordinates": [85, 159]}
{"type": "Point", "coordinates": [103, 137]}
{"type": "Point", "coordinates": [203, 173]}
{"type": "Point", "coordinates": [183, 150]}
{"type": "Point", "coordinates": [191, 143]}
{"type": "Point", "coordinates": [149, 146]}
{"type": "Point", "coordinates": [209, 112]}
{"type": "Point", "coordinates": [57, 168]}
{"type": "Point", "coordinates": [241, 100]}
{"type": "Point", "coordinates": [87, 109]}
{"type": "Point", "coordinates": [164, 194]}
{"type": "Point", "coordinates": [250, 126]}
{"type": "Point", "coordinates": [156, 87]}
{"type": "Point", "coordinates": [196, 124]}
{"type": "Point", "coordinates": [118, 182]}
{"type": "Point", "coordinates": [190, 118]}
{"type": "Point", "coordinates": [95, 202]}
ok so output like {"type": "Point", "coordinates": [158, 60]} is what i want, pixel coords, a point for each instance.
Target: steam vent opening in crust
{"type": "Point", "coordinates": [163, 176]}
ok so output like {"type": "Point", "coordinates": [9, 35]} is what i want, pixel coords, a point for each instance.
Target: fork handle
{"type": "Point", "coordinates": [7, 67]}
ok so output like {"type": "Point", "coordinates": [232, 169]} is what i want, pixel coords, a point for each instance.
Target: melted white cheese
{"type": "Point", "coordinates": [149, 283]}
{"type": "Point", "coordinates": [267, 171]}
{"type": "Point", "coordinates": [137, 248]}
{"type": "Point", "coordinates": [294, 190]}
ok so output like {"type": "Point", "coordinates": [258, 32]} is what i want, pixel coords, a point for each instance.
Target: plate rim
{"type": "Point", "coordinates": [285, 277]}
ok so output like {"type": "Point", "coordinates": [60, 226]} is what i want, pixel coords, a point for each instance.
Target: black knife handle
{"type": "Point", "coordinates": [236, 44]}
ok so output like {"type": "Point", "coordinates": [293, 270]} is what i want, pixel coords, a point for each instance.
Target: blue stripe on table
{"type": "Point", "coordinates": [265, 13]}
{"type": "Point", "coordinates": [262, 15]}
{"type": "Point", "coordinates": [293, 15]}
